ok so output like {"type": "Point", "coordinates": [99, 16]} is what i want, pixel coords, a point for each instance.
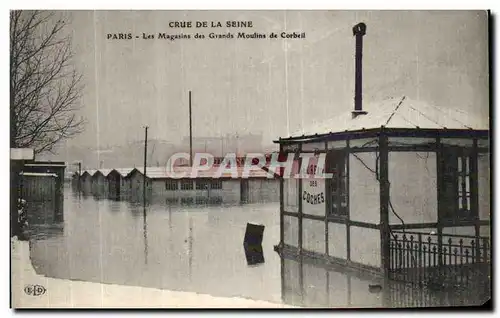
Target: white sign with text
{"type": "Point", "coordinates": [313, 194]}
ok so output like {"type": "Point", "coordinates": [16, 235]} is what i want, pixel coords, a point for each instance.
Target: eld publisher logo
{"type": "Point", "coordinates": [34, 290]}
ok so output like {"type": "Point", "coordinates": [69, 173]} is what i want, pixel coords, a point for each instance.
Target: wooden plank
{"type": "Point", "coordinates": [348, 225]}
{"type": "Point", "coordinates": [300, 212]}
{"type": "Point", "coordinates": [384, 202]}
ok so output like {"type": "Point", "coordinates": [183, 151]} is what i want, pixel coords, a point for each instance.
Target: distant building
{"type": "Point", "coordinates": [100, 182]}
{"type": "Point", "coordinates": [118, 186]}
{"type": "Point", "coordinates": [86, 181]}
{"type": "Point", "coordinates": [205, 186]}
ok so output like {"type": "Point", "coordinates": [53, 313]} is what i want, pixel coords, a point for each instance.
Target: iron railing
{"type": "Point", "coordinates": [440, 261]}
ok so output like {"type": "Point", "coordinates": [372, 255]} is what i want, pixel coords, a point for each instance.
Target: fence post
{"type": "Point", "coordinates": [420, 268]}
{"type": "Point", "coordinates": [440, 245]}
{"type": "Point", "coordinates": [474, 198]}
{"type": "Point", "coordinates": [485, 250]}
{"type": "Point", "coordinates": [441, 208]}
{"type": "Point", "coordinates": [384, 200]}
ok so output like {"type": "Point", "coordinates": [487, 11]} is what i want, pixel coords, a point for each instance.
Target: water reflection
{"type": "Point", "coordinates": [170, 246]}
{"type": "Point", "coordinates": [199, 248]}
{"type": "Point", "coordinates": [44, 221]}
{"type": "Point", "coordinates": [145, 234]}
{"type": "Point", "coordinates": [307, 284]}
{"type": "Point", "coordinates": [254, 254]}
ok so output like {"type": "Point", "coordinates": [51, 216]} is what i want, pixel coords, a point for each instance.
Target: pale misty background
{"type": "Point", "coordinates": [242, 87]}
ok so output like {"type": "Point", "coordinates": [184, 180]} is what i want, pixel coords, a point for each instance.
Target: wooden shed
{"type": "Point", "coordinates": [118, 187]}
{"type": "Point", "coordinates": [86, 182]}
{"type": "Point", "coordinates": [38, 187]}
{"type": "Point", "coordinates": [51, 167]}
{"type": "Point", "coordinates": [100, 183]}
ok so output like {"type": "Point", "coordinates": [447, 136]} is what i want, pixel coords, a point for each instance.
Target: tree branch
{"type": "Point", "coordinates": [45, 88]}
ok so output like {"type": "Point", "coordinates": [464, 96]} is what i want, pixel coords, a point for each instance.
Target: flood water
{"type": "Point", "coordinates": [196, 248]}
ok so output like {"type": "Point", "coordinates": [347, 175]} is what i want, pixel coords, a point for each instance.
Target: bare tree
{"type": "Point", "coordinates": [44, 87]}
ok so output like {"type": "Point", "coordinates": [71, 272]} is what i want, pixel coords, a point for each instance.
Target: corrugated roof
{"type": "Point", "coordinates": [400, 112]}
{"type": "Point", "coordinates": [122, 171]}
{"type": "Point", "coordinates": [37, 174]}
{"type": "Point", "coordinates": [163, 173]}
{"type": "Point", "coordinates": [90, 172]}
{"type": "Point", "coordinates": [104, 172]}
{"type": "Point", "coordinates": [46, 164]}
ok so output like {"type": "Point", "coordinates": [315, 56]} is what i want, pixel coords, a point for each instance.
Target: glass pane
{"type": "Point", "coordinates": [291, 199]}
{"type": "Point", "coordinates": [334, 184]}
{"type": "Point", "coordinates": [459, 164]}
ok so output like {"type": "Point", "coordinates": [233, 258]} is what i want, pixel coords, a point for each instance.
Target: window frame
{"type": "Point", "coordinates": [291, 203]}
{"type": "Point", "coordinates": [171, 185]}
{"type": "Point", "coordinates": [455, 175]}
{"type": "Point", "coordinates": [216, 184]}
{"type": "Point", "coordinates": [334, 158]}
{"type": "Point", "coordinates": [186, 185]}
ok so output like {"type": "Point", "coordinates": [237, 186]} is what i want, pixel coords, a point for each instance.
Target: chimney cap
{"type": "Point", "coordinates": [359, 29]}
{"type": "Point", "coordinates": [356, 113]}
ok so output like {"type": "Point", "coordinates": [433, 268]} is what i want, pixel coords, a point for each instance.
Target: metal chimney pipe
{"type": "Point", "coordinates": [359, 30]}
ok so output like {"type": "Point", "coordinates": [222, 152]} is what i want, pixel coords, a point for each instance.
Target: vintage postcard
{"type": "Point", "coordinates": [251, 159]}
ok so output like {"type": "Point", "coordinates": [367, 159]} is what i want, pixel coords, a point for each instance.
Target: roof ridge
{"type": "Point", "coordinates": [395, 110]}
{"type": "Point", "coordinates": [451, 117]}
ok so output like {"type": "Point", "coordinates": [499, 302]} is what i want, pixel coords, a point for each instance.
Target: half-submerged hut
{"type": "Point", "coordinates": [117, 184]}
{"type": "Point", "coordinates": [100, 182]}
{"type": "Point", "coordinates": [205, 187]}
{"type": "Point", "coordinates": [86, 181]}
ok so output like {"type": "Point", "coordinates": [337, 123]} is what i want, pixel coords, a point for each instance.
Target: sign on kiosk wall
{"type": "Point", "coordinates": [313, 190]}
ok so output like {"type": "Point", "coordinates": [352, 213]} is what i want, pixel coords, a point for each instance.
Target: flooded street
{"type": "Point", "coordinates": [196, 248]}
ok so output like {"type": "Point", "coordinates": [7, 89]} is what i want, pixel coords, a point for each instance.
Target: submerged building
{"type": "Point", "coordinates": [409, 196]}
{"type": "Point", "coordinates": [206, 187]}
{"type": "Point", "coordinates": [402, 166]}
{"type": "Point", "coordinates": [258, 186]}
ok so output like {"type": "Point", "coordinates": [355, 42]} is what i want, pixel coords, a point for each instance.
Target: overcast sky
{"type": "Point", "coordinates": [246, 86]}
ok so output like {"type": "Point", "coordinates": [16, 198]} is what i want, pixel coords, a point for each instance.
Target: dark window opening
{"type": "Point", "coordinates": [216, 184]}
{"type": "Point", "coordinates": [455, 181]}
{"type": "Point", "coordinates": [336, 187]}
{"type": "Point", "coordinates": [170, 185]}
{"type": "Point", "coordinates": [201, 184]}
{"type": "Point", "coordinates": [186, 184]}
